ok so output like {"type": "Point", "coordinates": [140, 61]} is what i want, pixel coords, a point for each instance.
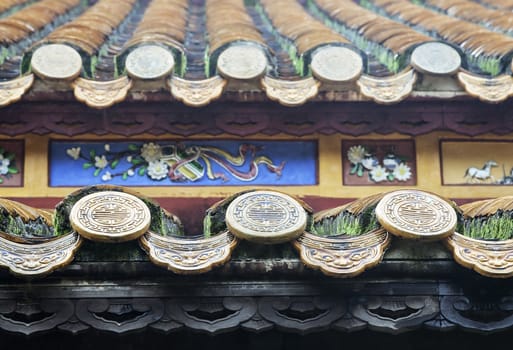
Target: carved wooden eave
{"type": "Point", "coordinates": [262, 294]}
{"type": "Point", "coordinates": [257, 50]}
{"type": "Point", "coordinates": [117, 288]}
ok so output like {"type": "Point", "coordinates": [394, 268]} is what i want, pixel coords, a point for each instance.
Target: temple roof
{"type": "Point", "coordinates": [107, 51]}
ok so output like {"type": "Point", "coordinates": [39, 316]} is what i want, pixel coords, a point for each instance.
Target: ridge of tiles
{"type": "Point", "coordinates": [289, 33]}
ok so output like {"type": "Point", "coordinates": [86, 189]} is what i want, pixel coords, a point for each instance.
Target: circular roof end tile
{"type": "Point", "coordinates": [110, 216]}
{"type": "Point", "coordinates": [336, 64]}
{"type": "Point", "coordinates": [435, 58]}
{"type": "Point", "coordinates": [266, 217]}
{"type": "Point", "coordinates": [149, 62]}
{"type": "Point", "coordinates": [416, 214]}
{"type": "Point", "coordinates": [56, 62]}
{"type": "Point", "coordinates": [242, 62]}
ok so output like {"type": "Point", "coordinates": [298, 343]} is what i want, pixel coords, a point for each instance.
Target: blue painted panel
{"type": "Point", "coordinates": [194, 163]}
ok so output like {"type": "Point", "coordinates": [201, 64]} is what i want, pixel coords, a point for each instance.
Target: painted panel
{"type": "Point", "coordinates": [476, 162]}
{"type": "Point", "coordinates": [192, 163]}
{"type": "Point", "coordinates": [379, 163]}
{"type": "Point", "coordinates": [11, 163]}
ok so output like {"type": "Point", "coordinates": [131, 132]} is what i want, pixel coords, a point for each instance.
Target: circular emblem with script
{"type": "Point", "coordinates": [242, 62]}
{"type": "Point", "coordinates": [149, 62]}
{"type": "Point", "coordinates": [416, 214]}
{"type": "Point", "coordinates": [56, 61]}
{"type": "Point", "coordinates": [336, 64]}
{"type": "Point", "coordinates": [436, 58]}
{"type": "Point", "coordinates": [266, 217]}
{"type": "Point", "coordinates": [110, 216]}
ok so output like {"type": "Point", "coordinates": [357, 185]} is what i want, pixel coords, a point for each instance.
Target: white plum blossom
{"type": "Point", "coordinates": [355, 154]}
{"type": "Point", "coordinates": [73, 152]}
{"type": "Point", "coordinates": [100, 162]}
{"type": "Point", "coordinates": [4, 165]}
{"type": "Point", "coordinates": [378, 174]}
{"type": "Point", "coordinates": [107, 147]}
{"type": "Point", "coordinates": [151, 152]}
{"type": "Point", "coordinates": [130, 172]}
{"type": "Point", "coordinates": [402, 172]}
{"type": "Point", "coordinates": [107, 176]}
{"type": "Point", "coordinates": [157, 170]}
{"type": "Point", "coordinates": [129, 159]}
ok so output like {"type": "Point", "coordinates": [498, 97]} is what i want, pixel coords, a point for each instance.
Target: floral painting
{"type": "Point", "coordinates": [477, 162]}
{"type": "Point", "coordinates": [169, 163]}
{"type": "Point", "coordinates": [11, 163]}
{"type": "Point", "coordinates": [370, 162]}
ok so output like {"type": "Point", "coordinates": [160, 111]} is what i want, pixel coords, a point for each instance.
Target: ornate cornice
{"type": "Point", "coordinates": [415, 118]}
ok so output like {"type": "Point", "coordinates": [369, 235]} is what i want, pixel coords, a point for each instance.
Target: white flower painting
{"type": "Point", "coordinates": [377, 162]}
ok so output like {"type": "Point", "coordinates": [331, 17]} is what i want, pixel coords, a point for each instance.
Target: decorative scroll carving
{"type": "Point", "coordinates": [72, 123]}
{"type": "Point", "coordinates": [302, 314]}
{"type": "Point", "coordinates": [119, 315]}
{"type": "Point", "coordinates": [123, 124]}
{"type": "Point", "coordinates": [493, 90]}
{"type": "Point", "coordinates": [290, 92]}
{"type": "Point", "coordinates": [395, 314]}
{"type": "Point", "coordinates": [189, 255]}
{"type": "Point", "coordinates": [12, 90]}
{"type": "Point", "coordinates": [36, 260]}
{"type": "Point", "coordinates": [389, 89]}
{"type": "Point", "coordinates": [489, 258]}
{"type": "Point", "coordinates": [440, 323]}
{"type": "Point", "coordinates": [213, 315]}
{"type": "Point", "coordinates": [479, 315]}
{"type": "Point", "coordinates": [246, 124]}
{"type": "Point", "coordinates": [73, 326]}
{"type": "Point", "coordinates": [197, 93]}
{"type": "Point", "coordinates": [29, 317]}
{"type": "Point", "coordinates": [64, 118]}
{"type": "Point", "coordinates": [257, 324]}
{"type": "Point", "coordinates": [344, 256]}
{"type": "Point", "coordinates": [101, 94]}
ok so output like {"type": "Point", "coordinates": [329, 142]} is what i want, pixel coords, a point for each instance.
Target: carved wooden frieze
{"type": "Point", "coordinates": [71, 119]}
{"type": "Point", "coordinates": [480, 313]}
{"type": "Point", "coordinates": [395, 314]}
{"type": "Point", "coordinates": [212, 315]}
{"type": "Point", "coordinates": [34, 316]}
{"type": "Point", "coordinates": [307, 310]}
{"type": "Point", "coordinates": [302, 314]}
{"type": "Point", "coordinates": [344, 256]}
{"type": "Point", "coordinates": [188, 255]}
{"type": "Point", "coordinates": [119, 315]}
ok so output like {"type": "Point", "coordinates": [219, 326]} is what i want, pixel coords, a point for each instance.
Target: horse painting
{"type": "Point", "coordinates": [481, 175]}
